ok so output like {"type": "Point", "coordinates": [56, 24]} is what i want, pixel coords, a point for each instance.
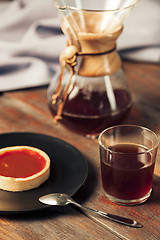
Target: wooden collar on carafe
{"type": "Point", "coordinates": [68, 58]}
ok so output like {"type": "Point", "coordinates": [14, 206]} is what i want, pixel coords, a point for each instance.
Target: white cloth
{"type": "Point", "coordinates": [31, 40]}
{"type": "Point", "coordinates": [140, 40]}
{"type": "Point", "coordinates": [30, 44]}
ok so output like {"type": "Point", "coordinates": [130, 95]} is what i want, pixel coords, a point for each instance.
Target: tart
{"type": "Point", "coordinates": [23, 168]}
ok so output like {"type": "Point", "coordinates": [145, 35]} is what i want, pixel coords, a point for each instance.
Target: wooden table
{"type": "Point", "coordinates": [27, 111]}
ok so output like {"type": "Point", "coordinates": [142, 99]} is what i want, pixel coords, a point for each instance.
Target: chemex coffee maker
{"type": "Point", "coordinates": [90, 92]}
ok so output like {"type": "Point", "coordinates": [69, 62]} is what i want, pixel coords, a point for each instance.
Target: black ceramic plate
{"type": "Point", "coordinates": [68, 171]}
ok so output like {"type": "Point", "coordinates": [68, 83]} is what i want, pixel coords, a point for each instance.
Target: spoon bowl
{"type": "Point", "coordinates": [56, 199]}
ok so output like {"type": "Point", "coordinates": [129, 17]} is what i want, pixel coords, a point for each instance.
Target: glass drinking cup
{"type": "Point", "coordinates": [127, 156]}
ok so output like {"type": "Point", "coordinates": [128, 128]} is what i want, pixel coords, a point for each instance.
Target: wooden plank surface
{"type": "Point", "coordinates": [27, 110]}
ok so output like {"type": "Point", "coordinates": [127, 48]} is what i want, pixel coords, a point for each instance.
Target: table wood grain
{"type": "Point", "coordinates": [27, 111]}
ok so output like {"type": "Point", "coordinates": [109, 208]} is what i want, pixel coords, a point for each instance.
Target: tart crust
{"type": "Point", "coordinates": [16, 184]}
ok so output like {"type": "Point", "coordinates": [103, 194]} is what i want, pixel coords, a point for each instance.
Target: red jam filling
{"type": "Point", "coordinates": [21, 163]}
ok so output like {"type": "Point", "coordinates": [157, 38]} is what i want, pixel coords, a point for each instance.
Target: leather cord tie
{"type": "Point", "coordinates": [68, 58]}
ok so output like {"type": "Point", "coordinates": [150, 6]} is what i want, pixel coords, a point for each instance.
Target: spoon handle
{"type": "Point", "coordinates": [115, 218]}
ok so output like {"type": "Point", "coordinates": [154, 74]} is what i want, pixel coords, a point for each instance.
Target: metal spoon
{"type": "Point", "coordinates": [60, 199]}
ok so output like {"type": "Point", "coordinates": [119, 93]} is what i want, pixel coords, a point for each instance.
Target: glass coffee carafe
{"type": "Point", "coordinates": [90, 93]}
